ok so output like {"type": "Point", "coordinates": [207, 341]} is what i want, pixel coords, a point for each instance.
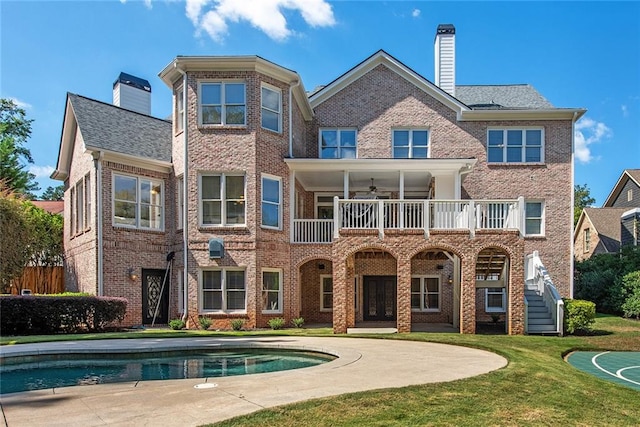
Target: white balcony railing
{"type": "Point", "coordinates": [423, 215]}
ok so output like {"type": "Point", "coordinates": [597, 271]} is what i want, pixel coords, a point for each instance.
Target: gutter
{"type": "Point", "coordinates": [575, 118]}
{"type": "Point", "coordinates": [293, 84]}
{"type": "Point", "coordinates": [97, 161]}
{"type": "Point", "coordinates": [185, 205]}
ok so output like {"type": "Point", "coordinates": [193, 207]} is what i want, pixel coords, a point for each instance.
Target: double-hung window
{"type": "Point", "coordinates": [326, 292]}
{"type": "Point", "coordinates": [337, 143]}
{"type": "Point", "coordinates": [271, 290]}
{"type": "Point", "coordinates": [271, 103]}
{"type": "Point", "coordinates": [222, 290]}
{"type": "Point", "coordinates": [222, 103]}
{"type": "Point", "coordinates": [515, 145]}
{"type": "Point", "coordinates": [179, 109]}
{"type": "Point", "coordinates": [425, 293]}
{"type": "Point", "coordinates": [222, 199]}
{"type": "Point", "coordinates": [534, 218]}
{"type": "Point", "coordinates": [587, 240]}
{"type": "Point", "coordinates": [180, 202]}
{"type": "Point", "coordinates": [494, 300]}
{"type": "Point", "coordinates": [271, 202]}
{"type": "Point", "coordinates": [410, 143]}
{"type": "Point", "coordinates": [138, 202]}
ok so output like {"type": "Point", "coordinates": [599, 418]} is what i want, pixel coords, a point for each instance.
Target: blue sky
{"type": "Point", "coordinates": [577, 54]}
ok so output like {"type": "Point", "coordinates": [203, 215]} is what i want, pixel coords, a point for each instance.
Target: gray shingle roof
{"type": "Point", "coordinates": [123, 131]}
{"type": "Point", "coordinates": [520, 96]}
{"type": "Point", "coordinates": [606, 222]}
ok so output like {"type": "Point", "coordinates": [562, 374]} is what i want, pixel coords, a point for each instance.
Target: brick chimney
{"type": "Point", "coordinates": [445, 58]}
{"type": "Point", "coordinates": [132, 93]}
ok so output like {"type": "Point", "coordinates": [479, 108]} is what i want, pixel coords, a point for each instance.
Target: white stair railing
{"type": "Point", "coordinates": [539, 278]}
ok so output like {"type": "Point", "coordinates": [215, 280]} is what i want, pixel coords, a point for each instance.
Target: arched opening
{"type": "Point", "coordinates": [435, 291]}
{"type": "Point", "coordinates": [492, 286]}
{"type": "Point", "coordinates": [315, 278]}
{"type": "Point", "coordinates": [375, 281]}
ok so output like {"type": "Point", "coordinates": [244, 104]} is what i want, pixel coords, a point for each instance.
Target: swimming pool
{"type": "Point", "coordinates": [61, 370]}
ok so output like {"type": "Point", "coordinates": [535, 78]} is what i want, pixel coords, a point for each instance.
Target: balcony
{"type": "Point", "coordinates": [425, 215]}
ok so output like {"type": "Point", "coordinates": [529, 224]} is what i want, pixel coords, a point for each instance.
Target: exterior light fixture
{"type": "Point", "coordinates": [450, 280]}
{"type": "Point", "coordinates": [132, 274]}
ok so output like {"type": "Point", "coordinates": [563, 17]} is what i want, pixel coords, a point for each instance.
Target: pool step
{"type": "Point", "coordinates": [372, 330]}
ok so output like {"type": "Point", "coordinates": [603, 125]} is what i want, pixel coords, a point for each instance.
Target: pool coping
{"type": "Point", "coordinates": [362, 364]}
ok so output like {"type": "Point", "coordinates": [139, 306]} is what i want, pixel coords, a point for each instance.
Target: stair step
{"type": "Point", "coordinates": [539, 315]}
{"type": "Point", "coordinates": [539, 309]}
{"type": "Point", "coordinates": [543, 321]}
{"type": "Point", "coordinates": [541, 329]}
{"type": "Point", "coordinates": [536, 304]}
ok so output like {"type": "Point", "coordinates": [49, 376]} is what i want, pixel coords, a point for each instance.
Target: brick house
{"type": "Point", "coordinates": [379, 198]}
{"type": "Point", "coordinates": [615, 224]}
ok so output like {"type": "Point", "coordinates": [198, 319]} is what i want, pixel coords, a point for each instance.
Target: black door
{"type": "Point", "coordinates": [152, 294]}
{"type": "Point", "coordinates": [379, 297]}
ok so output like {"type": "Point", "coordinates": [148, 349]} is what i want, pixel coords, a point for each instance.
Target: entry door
{"type": "Point", "coordinates": [379, 294]}
{"type": "Point", "coordinates": [152, 293]}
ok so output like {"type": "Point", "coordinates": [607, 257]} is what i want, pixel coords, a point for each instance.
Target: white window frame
{"type": "Point", "coordinates": [280, 291]}
{"type": "Point", "coordinates": [629, 194]}
{"type": "Point", "coordinates": [179, 111]}
{"type": "Point", "coordinates": [339, 141]}
{"type": "Point", "coordinates": [223, 104]}
{"type": "Point", "coordinates": [424, 293]}
{"type": "Point", "coordinates": [87, 201]}
{"type": "Point", "coordinates": [138, 203]}
{"type": "Point", "coordinates": [72, 206]}
{"type": "Point", "coordinates": [587, 239]}
{"type": "Point", "coordinates": [80, 206]}
{"type": "Point", "coordinates": [180, 202]}
{"type": "Point", "coordinates": [181, 301]}
{"type": "Point", "coordinates": [223, 198]}
{"type": "Point", "coordinates": [323, 293]}
{"type": "Point", "coordinates": [495, 291]}
{"type": "Point", "coordinates": [411, 145]}
{"type": "Point", "coordinates": [542, 217]}
{"type": "Point", "coordinates": [317, 203]}
{"type": "Point", "coordinates": [223, 290]}
{"type": "Point", "coordinates": [278, 204]}
{"type": "Point", "coordinates": [523, 153]}
{"type": "Point", "coordinates": [278, 112]}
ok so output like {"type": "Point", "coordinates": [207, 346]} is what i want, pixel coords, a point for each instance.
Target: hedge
{"type": "Point", "coordinates": [579, 315]}
{"type": "Point", "coordinates": [31, 314]}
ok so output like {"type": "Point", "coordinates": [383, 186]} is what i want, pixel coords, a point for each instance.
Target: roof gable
{"type": "Point", "coordinates": [627, 174]}
{"type": "Point", "coordinates": [383, 58]}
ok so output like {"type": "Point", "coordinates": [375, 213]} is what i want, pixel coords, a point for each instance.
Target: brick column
{"type": "Point", "coordinates": [403, 294]}
{"type": "Point", "coordinates": [350, 295]}
{"type": "Point", "coordinates": [340, 296]}
{"type": "Point", "coordinates": [516, 295]}
{"type": "Point", "coordinates": [468, 297]}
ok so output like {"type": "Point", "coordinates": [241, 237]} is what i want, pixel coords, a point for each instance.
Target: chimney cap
{"type": "Point", "coordinates": [133, 81]}
{"type": "Point", "coordinates": [446, 29]}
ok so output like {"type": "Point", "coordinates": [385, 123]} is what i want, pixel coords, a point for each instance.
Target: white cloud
{"type": "Point", "coordinates": [41, 171]}
{"type": "Point", "coordinates": [265, 15]}
{"type": "Point", "coordinates": [415, 13]}
{"type": "Point", "coordinates": [625, 111]}
{"type": "Point", "coordinates": [147, 3]}
{"type": "Point", "coordinates": [587, 132]}
{"type": "Point", "coordinates": [20, 104]}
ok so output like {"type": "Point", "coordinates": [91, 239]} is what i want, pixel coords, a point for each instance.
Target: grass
{"type": "Point", "coordinates": [536, 388]}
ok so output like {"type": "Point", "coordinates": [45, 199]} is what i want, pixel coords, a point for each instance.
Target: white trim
{"type": "Point", "coordinates": [503, 308]}
{"type": "Point", "coordinates": [317, 204]}
{"type": "Point", "coordinates": [180, 202]}
{"type": "Point", "coordinates": [424, 293]}
{"type": "Point", "coordinates": [523, 147]}
{"type": "Point", "coordinates": [223, 104]}
{"type": "Point", "coordinates": [339, 147]}
{"type": "Point", "coordinates": [178, 114]}
{"type": "Point", "coordinates": [542, 218]}
{"type": "Point", "coordinates": [322, 293]}
{"type": "Point", "coordinates": [137, 202]}
{"type": "Point", "coordinates": [538, 114]}
{"type": "Point", "coordinates": [262, 107]}
{"type": "Point", "coordinates": [433, 165]}
{"type": "Point", "coordinates": [279, 205]}
{"type": "Point", "coordinates": [411, 146]}
{"type": "Point", "coordinates": [181, 293]}
{"type": "Point", "coordinates": [280, 290]}
{"type": "Point", "coordinates": [223, 198]}
{"type": "Point", "coordinates": [223, 290]}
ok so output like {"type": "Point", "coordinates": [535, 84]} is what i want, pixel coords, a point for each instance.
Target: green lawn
{"type": "Point", "coordinates": [536, 388]}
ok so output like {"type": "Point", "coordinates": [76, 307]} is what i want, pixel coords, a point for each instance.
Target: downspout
{"type": "Point", "coordinates": [185, 204]}
{"type": "Point", "coordinates": [571, 262]}
{"type": "Point", "coordinates": [293, 84]}
{"type": "Point", "coordinates": [97, 161]}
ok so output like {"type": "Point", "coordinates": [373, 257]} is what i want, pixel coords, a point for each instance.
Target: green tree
{"type": "Point", "coordinates": [53, 193]}
{"type": "Point", "coordinates": [15, 130]}
{"type": "Point", "coordinates": [16, 235]}
{"type": "Point", "coordinates": [581, 199]}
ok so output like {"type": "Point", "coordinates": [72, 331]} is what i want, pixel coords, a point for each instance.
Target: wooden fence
{"type": "Point", "coordinates": [40, 280]}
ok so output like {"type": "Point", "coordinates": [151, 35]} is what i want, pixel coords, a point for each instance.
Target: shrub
{"type": "Point", "coordinates": [297, 322]}
{"type": "Point", "coordinates": [579, 315]}
{"type": "Point", "coordinates": [176, 324]}
{"type": "Point", "coordinates": [205, 322]}
{"type": "Point", "coordinates": [237, 324]}
{"type": "Point", "coordinates": [631, 291]}
{"type": "Point", "coordinates": [276, 323]}
{"type": "Point", "coordinates": [27, 315]}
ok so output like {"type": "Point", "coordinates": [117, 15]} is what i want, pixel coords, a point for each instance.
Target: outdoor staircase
{"type": "Point", "coordinates": [540, 318]}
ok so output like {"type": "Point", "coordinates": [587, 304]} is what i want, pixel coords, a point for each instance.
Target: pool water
{"type": "Point", "coordinates": [82, 369]}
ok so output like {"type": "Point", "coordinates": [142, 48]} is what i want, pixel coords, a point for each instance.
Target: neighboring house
{"type": "Point", "coordinates": [55, 207]}
{"type": "Point", "coordinates": [615, 224]}
{"type": "Point", "coordinates": [381, 197]}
